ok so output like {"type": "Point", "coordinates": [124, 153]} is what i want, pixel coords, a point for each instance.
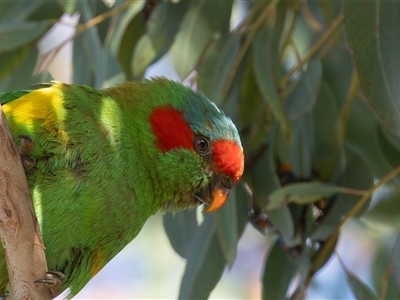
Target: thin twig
{"type": "Point", "coordinates": [356, 208]}
{"type": "Point", "coordinates": [81, 28]}
{"type": "Point", "coordinates": [314, 49]}
{"type": "Point", "coordinates": [254, 27]}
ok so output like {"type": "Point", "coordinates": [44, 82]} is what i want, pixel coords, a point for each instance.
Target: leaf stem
{"type": "Point", "coordinates": [317, 46]}
{"type": "Point", "coordinates": [254, 27]}
{"type": "Point", "coordinates": [329, 243]}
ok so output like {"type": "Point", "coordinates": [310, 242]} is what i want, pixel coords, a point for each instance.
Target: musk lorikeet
{"type": "Point", "coordinates": [106, 160]}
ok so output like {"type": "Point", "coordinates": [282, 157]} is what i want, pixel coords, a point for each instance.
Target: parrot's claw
{"type": "Point", "coordinates": [53, 280]}
{"type": "Point", "coordinates": [28, 162]}
{"type": "Point", "coordinates": [27, 144]}
{"type": "Point", "coordinates": [26, 147]}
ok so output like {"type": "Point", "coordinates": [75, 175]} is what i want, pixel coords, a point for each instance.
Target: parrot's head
{"type": "Point", "coordinates": [200, 156]}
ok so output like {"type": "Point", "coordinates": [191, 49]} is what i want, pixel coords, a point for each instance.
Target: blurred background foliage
{"type": "Point", "coordinates": [313, 87]}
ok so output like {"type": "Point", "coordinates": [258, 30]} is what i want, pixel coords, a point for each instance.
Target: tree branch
{"type": "Point", "coordinates": [19, 229]}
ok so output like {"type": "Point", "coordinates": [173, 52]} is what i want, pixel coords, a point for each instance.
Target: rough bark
{"type": "Point", "coordinates": [19, 229]}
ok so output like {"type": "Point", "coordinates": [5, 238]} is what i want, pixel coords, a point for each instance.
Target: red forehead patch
{"type": "Point", "coordinates": [229, 158]}
{"type": "Point", "coordinates": [170, 129]}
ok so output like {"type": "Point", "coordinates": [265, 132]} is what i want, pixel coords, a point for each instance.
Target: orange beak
{"type": "Point", "coordinates": [214, 196]}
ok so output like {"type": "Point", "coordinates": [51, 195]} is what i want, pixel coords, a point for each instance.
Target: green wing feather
{"type": "Point", "coordinates": [7, 97]}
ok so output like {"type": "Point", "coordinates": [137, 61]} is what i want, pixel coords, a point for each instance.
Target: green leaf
{"type": "Point", "coordinates": [143, 56]}
{"type": "Point", "coordinates": [16, 34]}
{"type": "Point", "coordinates": [386, 211]}
{"type": "Point", "coordinates": [359, 288]}
{"type": "Point", "coordinates": [205, 263]}
{"type": "Point", "coordinates": [302, 146]}
{"type": "Point", "coordinates": [283, 221]}
{"type": "Point", "coordinates": [278, 273]}
{"type": "Point", "coordinates": [181, 230]}
{"type": "Point", "coordinates": [357, 175]}
{"type": "Point", "coordinates": [363, 136]}
{"type": "Point", "coordinates": [22, 77]}
{"type": "Point", "coordinates": [5, 6]}
{"type": "Point", "coordinates": [262, 178]}
{"type": "Point", "coordinates": [376, 47]}
{"type": "Point", "coordinates": [10, 60]}
{"type": "Point", "coordinates": [301, 193]}
{"type": "Point", "coordinates": [93, 65]}
{"type": "Point", "coordinates": [204, 22]}
{"type": "Point", "coordinates": [337, 72]}
{"type": "Point", "coordinates": [20, 10]}
{"type": "Point", "coordinates": [326, 138]}
{"type": "Point", "coordinates": [396, 262]}
{"type": "Point", "coordinates": [303, 97]}
{"type": "Point", "coordinates": [264, 51]}
{"type": "Point", "coordinates": [253, 107]}
{"type": "Point", "coordinates": [130, 38]}
{"type": "Point", "coordinates": [191, 40]}
{"type": "Point", "coordinates": [163, 25]}
{"type": "Point", "coordinates": [242, 206]}
{"type": "Point", "coordinates": [226, 219]}
{"type": "Point", "coordinates": [69, 6]}
{"type": "Point", "coordinates": [215, 65]}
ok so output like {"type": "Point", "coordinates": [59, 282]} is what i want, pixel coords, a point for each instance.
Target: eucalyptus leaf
{"type": "Point", "coordinates": [359, 288]}
{"type": "Point", "coordinates": [205, 263]}
{"type": "Point", "coordinates": [396, 262]}
{"type": "Point", "coordinates": [375, 48]}
{"type": "Point", "coordinates": [278, 273]}
{"type": "Point", "coordinates": [181, 230]}
{"type": "Point", "coordinates": [215, 65]}
{"type": "Point", "coordinates": [191, 40]}
{"type": "Point", "coordinates": [301, 193]}
{"type": "Point", "coordinates": [226, 219]}
{"type": "Point", "coordinates": [264, 55]}
{"type": "Point", "coordinates": [16, 34]}
{"type": "Point", "coordinates": [304, 95]}
{"type": "Point", "coordinates": [10, 60]}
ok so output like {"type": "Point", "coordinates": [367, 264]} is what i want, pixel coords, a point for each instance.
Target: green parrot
{"type": "Point", "coordinates": [106, 160]}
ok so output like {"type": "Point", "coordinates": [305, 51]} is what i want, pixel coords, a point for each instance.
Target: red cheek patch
{"type": "Point", "coordinates": [229, 158]}
{"type": "Point", "coordinates": [170, 129]}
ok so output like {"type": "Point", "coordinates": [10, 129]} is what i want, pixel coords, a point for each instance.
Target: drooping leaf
{"type": "Point", "coordinates": [180, 230]}
{"type": "Point", "coordinates": [205, 263]}
{"type": "Point", "coordinates": [215, 65]}
{"type": "Point", "coordinates": [326, 138]}
{"type": "Point", "coordinates": [226, 219]}
{"type": "Point", "coordinates": [134, 30]}
{"type": "Point", "coordinates": [386, 211]}
{"type": "Point", "coordinates": [191, 40]}
{"type": "Point", "coordinates": [357, 175]}
{"type": "Point", "coordinates": [264, 55]}
{"type": "Point", "coordinates": [362, 134]}
{"type": "Point", "coordinates": [282, 219]}
{"type": "Point", "coordinates": [278, 273]}
{"type": "Point", "coordinates": [304, 95]}
{"type": "Point", "coordinates": [10, 60]}
{"type": "Point", "coordinates": [162, 27]}
{"type": "Point", "coordinates": [369, 27]}
{"type": "Point", "coordinates": [301, 151]}
{"type": "Point", "coordinates": [396, 262]}
{"type": "Point", "coordinates": [360, 290]}
{"type": "Point", "coordinates": [16, 34]}
{"type": "Point", "coordinates": [301, 193]}
{"type": "Point", "coordinates": [22, 77]}
{"type": "Point", "coordinates": [69, 6]}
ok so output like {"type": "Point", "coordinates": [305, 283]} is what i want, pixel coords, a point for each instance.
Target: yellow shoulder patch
{"type": "Point", "coordinates": [43, 107]}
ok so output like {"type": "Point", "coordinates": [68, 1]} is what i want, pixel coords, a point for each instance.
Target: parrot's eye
{"type": "Point", "coordinates": [202, 145]}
